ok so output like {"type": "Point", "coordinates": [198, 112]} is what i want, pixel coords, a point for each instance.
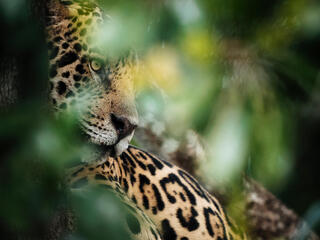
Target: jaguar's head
{"type": "Point", "coordinates": [83, 79]}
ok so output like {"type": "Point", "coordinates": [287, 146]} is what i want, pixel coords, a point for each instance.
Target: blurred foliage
{"type": "Point", "coordinates": [243, 74]}
{"type": "Point", "coordinates": [104, 218]}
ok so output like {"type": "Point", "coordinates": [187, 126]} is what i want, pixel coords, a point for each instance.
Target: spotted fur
{"type": "Point", "coordinates": [172, 199]}
{"type": "Point", "coordinates": [163, 201]}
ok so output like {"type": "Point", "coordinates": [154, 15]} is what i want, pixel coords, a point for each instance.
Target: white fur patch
{"type": "Point", "coordinates": [123, 144]}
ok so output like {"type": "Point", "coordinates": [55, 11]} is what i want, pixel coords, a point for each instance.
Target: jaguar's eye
{"type": "Point", "coordinates": [95, 65]}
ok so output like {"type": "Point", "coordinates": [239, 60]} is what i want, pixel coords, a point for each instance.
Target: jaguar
{"type": "Point", "coordinates": [82, 80]}
{"type": "Point", "coordinates": [164, 201]}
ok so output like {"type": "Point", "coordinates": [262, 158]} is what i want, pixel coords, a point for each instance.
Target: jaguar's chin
{"type": "Point", "coordinates": [114, 150]}
{"type": "Point", "coordinates": [107, 143]}
{"type": "Point", "coordinates": [122, 145]}
{"type": "Point", "coordinates": [102, 149]}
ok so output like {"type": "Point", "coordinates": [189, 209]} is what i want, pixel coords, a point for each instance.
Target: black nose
{"type": "Point", "coordinates": [122, 125]}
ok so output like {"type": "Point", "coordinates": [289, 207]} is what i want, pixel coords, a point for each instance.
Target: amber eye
{"type": "Point", "coordinates": [95, 65]}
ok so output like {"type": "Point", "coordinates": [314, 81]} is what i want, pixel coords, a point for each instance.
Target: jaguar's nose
{"type": "Point", "coordinates": [122, 125]}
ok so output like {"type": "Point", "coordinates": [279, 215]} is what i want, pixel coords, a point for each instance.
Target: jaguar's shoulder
{"type": "Point", "coordinates": [177, 204]}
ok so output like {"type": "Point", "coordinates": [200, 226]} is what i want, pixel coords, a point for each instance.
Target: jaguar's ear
{"type": "Point", "coordinates": [56, 12]}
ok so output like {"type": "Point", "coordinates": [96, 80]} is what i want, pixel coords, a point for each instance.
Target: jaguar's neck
{"type": "Point", "coordinates": [121, 172]}
{"type": "Point", "coordinates": [114, 173]}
